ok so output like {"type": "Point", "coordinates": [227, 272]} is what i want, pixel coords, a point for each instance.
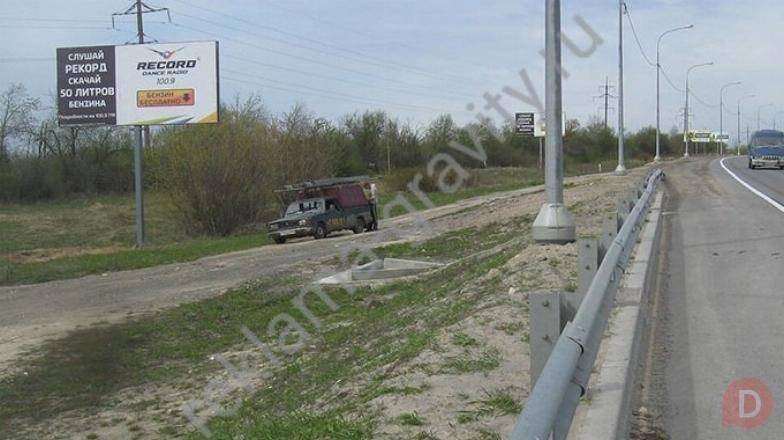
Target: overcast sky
{"type": "Point", "coordinates": [419, 58]}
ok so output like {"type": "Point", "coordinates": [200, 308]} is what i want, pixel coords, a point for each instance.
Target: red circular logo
{"type": "Point", "coordinates": [748, 403]}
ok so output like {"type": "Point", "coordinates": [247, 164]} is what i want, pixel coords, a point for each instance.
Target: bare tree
{"type": "Point", "coordinates": [17, 116]}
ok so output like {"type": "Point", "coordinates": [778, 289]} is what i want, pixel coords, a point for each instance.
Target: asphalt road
{"type": "Point", "coordinates": [720, 313]}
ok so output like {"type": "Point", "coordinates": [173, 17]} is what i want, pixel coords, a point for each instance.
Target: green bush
{"type": "Point", "coordinates": [216, 177]}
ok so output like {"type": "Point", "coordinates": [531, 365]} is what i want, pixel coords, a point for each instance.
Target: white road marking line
{"type": "Point", "coordinates": [757, 192]}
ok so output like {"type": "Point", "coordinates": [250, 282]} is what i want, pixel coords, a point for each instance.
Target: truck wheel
{"type": "Point", "coordinates": [280, 240]}
{"type": "Point", "coordinates": [320, 232]}
{"type": "Point", "coordinates": [359, 227]}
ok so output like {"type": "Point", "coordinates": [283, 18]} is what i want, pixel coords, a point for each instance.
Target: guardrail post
{"type": "Point", "coordinates": [545, 318]}
{"type": "Point", "coordinates": [623, 211]}
{"type": "Point", "coordinates": [609, 232]}
{"type": "Point", "coordinates": [587, 264]}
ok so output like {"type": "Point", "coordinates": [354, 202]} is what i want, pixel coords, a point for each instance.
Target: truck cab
{"type": "Point", "coordinates": [766, 149]}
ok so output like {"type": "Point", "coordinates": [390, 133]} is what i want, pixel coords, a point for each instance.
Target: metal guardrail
{"type": "Point", "coordinates": [564, 379]}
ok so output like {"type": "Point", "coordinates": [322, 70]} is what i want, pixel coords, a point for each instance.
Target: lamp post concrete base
{"type": "Point", "coordinates": [657, 159]}
{"type": "Point", "coordinates": [554, 224]}
{"type": "Point", "coordinates": [620, 170]}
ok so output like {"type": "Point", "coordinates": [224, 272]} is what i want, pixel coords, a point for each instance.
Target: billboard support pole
{"type": "Point", "coordinates": [138, 150]}
{"type": "Point", "coordinates": [138, 8]}
{"type": "Point", "coordinates": [138, 162]}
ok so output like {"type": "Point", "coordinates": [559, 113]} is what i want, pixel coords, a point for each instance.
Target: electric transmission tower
{"type": "Point", "coordinates": [606, 96]}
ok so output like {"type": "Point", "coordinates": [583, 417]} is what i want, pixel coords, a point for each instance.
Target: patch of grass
{"type": "Point", "coordinates": [411, 419]}
{"type": "Point", "coordinates": [495, 403]}
{"type": "Point", "coordinates": [511, 328]}
{"type": "Point", "coordinates": [297, 426]}
{"type": "Point", "coordinates": [463, 340]}
{"type": "Point", "coordinates": [485, 181]}
{"type": "Point", "coordinates": [499, 402]}
{"type": "Point", "coordinates": [486, 434]}
{"type": "Point", "coordinates": [487, 360]}
{"type": "Point", "coordinates": [77, 266]}
{"type": "Point", "coordinates": [467, 417]}
{"type": "Point", "coordinates": [454, 244]}
{"type": "Point", "coordinates": [87, 366]}
{"type": "Point", "coordinates": [425, 435]}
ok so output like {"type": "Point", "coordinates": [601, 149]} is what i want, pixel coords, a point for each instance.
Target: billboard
{"type": "Point", "coordinates": [721, 137]}
{"type": "Point", "coordinates": [144, 84]}
{"type": "Point", "coordinates": [700, 136]}
{"type": "Point", "coordinates": [524, 124]}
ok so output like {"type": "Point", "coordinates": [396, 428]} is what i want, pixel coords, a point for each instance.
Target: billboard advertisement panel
{"type": "Point", "coordinates": [86, 86]}
{"type": "Point", "coordinates": [172, 83]}
{"type": "Point", "coordinates": [143, 84]}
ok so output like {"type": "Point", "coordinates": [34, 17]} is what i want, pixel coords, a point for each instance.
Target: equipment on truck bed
{"type": "Point", "coordinates": [326, 205]}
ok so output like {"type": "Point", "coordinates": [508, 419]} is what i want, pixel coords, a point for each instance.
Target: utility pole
{"type": "Point", "coordinates": [721, 113]}
{"type": "Point", "coordinates": [759, 111]}
{"type": "Point", "coordinates": [621, 169]}
{"type": "Point", "coordinates": [139, 8]}
{"type": "Point", "coordinates": [554, 224]}
{"type": "Point", "coordinates": [686, 113]}
{"type": "Point", "coordinates": [138, 151]}
{"type": "Point", "coordinates": [740, 100]}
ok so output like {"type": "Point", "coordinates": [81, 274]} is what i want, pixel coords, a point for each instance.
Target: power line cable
{"type": "Point", "coordinates": [339, 26]}
{"type": "Point", "coordinates": [337, 79]}
{"type": "Point", "coordinates": [26, 59]}
{"type": "Point", "coordinates": [45, 27]}
{"type": "Point", "coordinates": [315, 89]}
{"type": "Point", "coordinates": [653, 64]}
{"type": "Point", "coordinates": [298, 57]}
{"type": "Point", "coordinates": [330, 95]}
{"type": "Point", "coordinates": [636, 37]}
{"type": "Point", "coordinates": [375, 60]}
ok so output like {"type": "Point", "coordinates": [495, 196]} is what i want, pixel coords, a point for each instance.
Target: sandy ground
{"type": "Point", "coordinates": [30, 314]}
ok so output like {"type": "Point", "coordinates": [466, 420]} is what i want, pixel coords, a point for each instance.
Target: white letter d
{"type": "Point", "coordinates": [742, 404]}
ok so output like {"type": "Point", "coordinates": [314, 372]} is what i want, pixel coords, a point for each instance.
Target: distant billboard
{"type": "Point", "coordinates": [721, 137]}
{"type": "Point", "coordinates": [700, 136]}
{"type": "Point", "coordinates": [143, 84]}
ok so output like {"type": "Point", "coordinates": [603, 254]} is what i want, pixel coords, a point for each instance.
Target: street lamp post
{"type": "Point", "coordinates": [554, 224]}
{"type": "Point", "coordinates": [658, 88]}
{"type": "Point", "coordinates": [740, 100]}
{"type": "Point", "coordinates": [759, 111]}
{"type": "Point", "coordinates": [686, 113]}
{"type": "Point", "coordinates": [721, 113]}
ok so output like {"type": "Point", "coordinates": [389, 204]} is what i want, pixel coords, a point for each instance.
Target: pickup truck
{"type": "Point", "coordinates": [318, 218]}
{"type": "Point", "coordinates": [325, 206]}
